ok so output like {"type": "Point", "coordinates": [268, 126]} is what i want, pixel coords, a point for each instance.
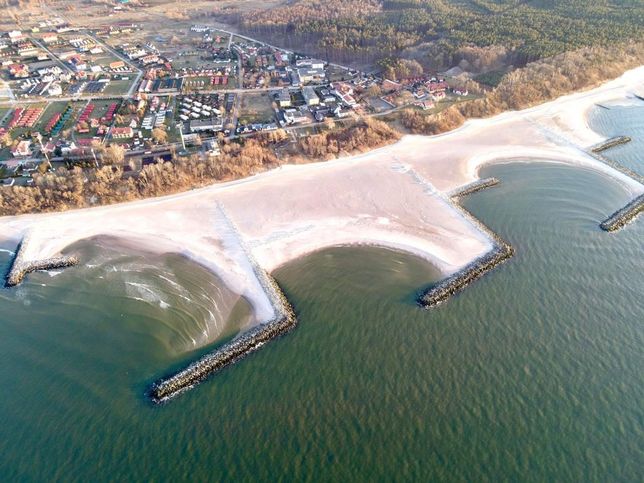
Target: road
{"type": "Point", "coordinates": [53, 56]}
{"type": "Point", "coordinates": [118, 55]}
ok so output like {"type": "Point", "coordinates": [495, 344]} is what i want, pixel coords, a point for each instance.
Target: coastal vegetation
{"type": "Point", "coordinates": [65, 189]}
{"type": "Point", "coordinates": [535, 83]}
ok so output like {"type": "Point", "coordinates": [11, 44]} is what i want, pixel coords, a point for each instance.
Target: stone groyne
{"type": "Point", "coordinates": [243, 345]}
{"type": "Point", "coordinates": [228, 354]}
{"type": "Point", "coordinates": [624, 215]}
{"type": "Point", "coordinates": [453, 284]}
{"type": "Point", "coordinates": [500, 252]}
{"type": "Point", "coordinates": [609, 143]}
{"type": "Point", "coordinates": [615, 165]}
{"type": "Point", "coordinates": [478, 185]}
{"type": "Point", "coordinates": [20, 268]}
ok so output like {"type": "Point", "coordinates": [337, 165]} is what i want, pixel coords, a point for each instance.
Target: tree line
{"type": "Point", "coordinates": [367, 30]}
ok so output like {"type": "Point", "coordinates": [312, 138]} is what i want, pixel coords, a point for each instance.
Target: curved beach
{"type": "Point", "coordinates": [397, 197]}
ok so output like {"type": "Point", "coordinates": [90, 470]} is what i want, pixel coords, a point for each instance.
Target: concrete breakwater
{"type": "Point", "coordinates": [20, 268]}
{"type": "Point", "coordinates": [609, 143]}
{"type": "Point", "coordinates": [229, 353]}
{"type": "Point", "coordinates": [624, 215]}
{"type": "Point", "coordinates": [478, 185]}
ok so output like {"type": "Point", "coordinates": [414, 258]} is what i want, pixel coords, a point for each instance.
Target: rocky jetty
{"type": "Point", "coordinates": [624, 215]}
{"type": "Point", "coordinates": [478, 185]}
{"type": "Point", "coordinates": [618, 166]}
{"type": "Point", "coordinates": [453, 284]}
{"type": "Point", "coordinates": [229, 353]}
{"type": "Point", "coordinates": [20, 267]}
{"type": "Point", "coordinates": [500, 252]}
{"type": "Point", "coordinates": [609, 143]}
{"type": "Point", "coordinates": [243, 345]}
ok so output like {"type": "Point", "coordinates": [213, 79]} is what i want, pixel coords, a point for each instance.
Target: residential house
{"type": "Point", "coordinates": [122, 132]}
{"type": "Point", "coordinates": [23, 149]}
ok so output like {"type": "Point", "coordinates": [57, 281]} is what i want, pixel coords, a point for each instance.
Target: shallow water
{"type": "Point", "coordinates": [533, 373]}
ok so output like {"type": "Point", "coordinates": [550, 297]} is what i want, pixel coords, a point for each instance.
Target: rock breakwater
{"type": "Point", "coordinates": [229, 353]}
{"type": "Point", "coordinates": [478, 185]}
{"type": "Point", "coordinates": [624, 215]}
{"type": "Point", "coordinates": [20, 267]}
{"type": "Point", "coordinates": [243, 345]}
{"type": "Point", "coordinates": [629, 212]}
{"type": "Point", "coordinates": [609, 143]}
{"type": "Point", "coordinates": [453, 284]}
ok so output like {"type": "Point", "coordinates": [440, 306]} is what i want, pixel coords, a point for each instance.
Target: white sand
{"type": "Point", "coordinates": [394, 197]}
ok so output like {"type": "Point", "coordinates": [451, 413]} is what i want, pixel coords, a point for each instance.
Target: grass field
{"type": "Point", "coordinates": [119, 87]}
{"type": "Point", "coordinates": [256, 107]}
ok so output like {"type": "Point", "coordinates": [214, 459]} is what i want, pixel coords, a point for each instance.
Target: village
{"type": "Point", "coordinates": [68, 92]}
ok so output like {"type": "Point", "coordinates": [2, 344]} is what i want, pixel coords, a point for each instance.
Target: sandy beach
{"type": "Point", "coordinates": [396, 197]}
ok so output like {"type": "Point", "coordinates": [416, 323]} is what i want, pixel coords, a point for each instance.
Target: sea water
{"type": "Point", "coordinates": [533, 373]}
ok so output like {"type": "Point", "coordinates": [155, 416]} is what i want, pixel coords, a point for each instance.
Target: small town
{"type": "Point", "coordinates": [69, 93]}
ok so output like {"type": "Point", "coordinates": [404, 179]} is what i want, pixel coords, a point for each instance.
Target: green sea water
{"type": "Point", "coordinates": [534, 373]}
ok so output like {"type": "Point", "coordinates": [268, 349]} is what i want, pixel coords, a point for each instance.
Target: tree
{"type": "Point", "coordinates": [159, 135]}
{"type": "Point", "coordinates": [113, 154]}
{"type": "Point", "coordinates": [374, 91]}
{"type": "Point", "coordinates": [6, 140]}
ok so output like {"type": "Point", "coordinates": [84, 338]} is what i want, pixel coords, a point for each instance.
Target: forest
{"type": "Point", "coordinates": [366, 31]}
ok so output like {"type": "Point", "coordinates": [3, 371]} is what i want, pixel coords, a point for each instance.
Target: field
{"type": "Point", "coordinates": [256, 108]}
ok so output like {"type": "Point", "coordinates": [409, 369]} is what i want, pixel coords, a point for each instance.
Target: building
{"type": "Point", "coordinates": [122, 132]}
{"type": "Point", "coordinates": [149, 59]}
{"type": "Point", "coordinates": [345, 93]}
{"type": "Point", "coordinates": [310, 97]}
{"type": "Point", "coordinates": [425, 105]}
{"type": "Point", "coordinates": [15, 36]}
{"type": "Point", "coordinates": [293, 116]}
{"type": "Point", "coordinates": [284, 98]}
{"type": "Point", "coordinates": [23, 149]}
{"type": "Point", "coordinates": [214, 124]}
{"type": "Point", "coordinates": [212, 147]}
{"type": "Point", "coordinates": [309, 63]}
{"type": "Point", "coordinates": [307, 75]}
{"type": "Point", "coordinates": [117, 65]}
{"type": "Point", "coordinates": [50, 38]}
{"type": "Point", "coordinates": [68, 148]}
{"type": "Point", "coordinates": [54, 89]}
{"type": "Point", "coordinates": [18, 71]}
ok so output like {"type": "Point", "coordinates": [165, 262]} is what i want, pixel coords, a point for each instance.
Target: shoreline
{"type": "Point", "coordinates": [472, 159]}
{"type": "Point", "coordinates": [402, 196]}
